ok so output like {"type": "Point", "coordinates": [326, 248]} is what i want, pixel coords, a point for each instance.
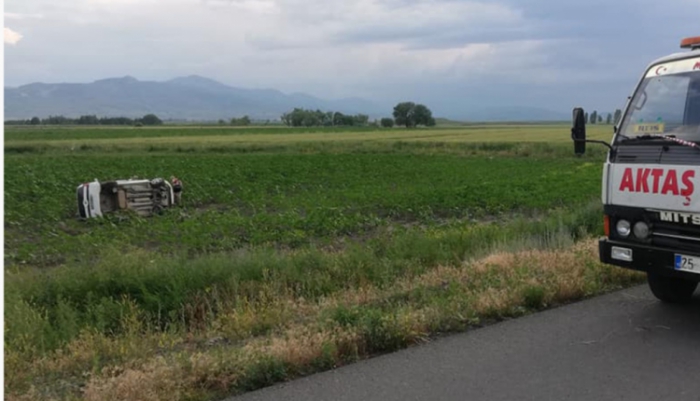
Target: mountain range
{"type": "Point", "coordinates": [198, 98]}
{"type": "Point", "coordinates": [184, 98]}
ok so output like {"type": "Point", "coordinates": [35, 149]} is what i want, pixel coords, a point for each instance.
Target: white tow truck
{"type": "Point", "coordinates": [651, 177]}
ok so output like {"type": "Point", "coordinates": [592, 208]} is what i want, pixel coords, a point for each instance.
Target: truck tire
{"type": "Point", "coordinates": [671, 289]}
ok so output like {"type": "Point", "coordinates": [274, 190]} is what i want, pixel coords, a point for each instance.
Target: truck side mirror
{"type": "Point", "coordinates": [578, 131]}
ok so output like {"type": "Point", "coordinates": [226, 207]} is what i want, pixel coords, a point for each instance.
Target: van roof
{"type": "Point", "coordinates": [674, 57]}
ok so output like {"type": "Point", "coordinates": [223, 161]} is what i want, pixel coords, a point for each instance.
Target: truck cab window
{"type": "Point", "coordinates": [660, 100]}
{"type": "Point", "coordinates": [692, 111]}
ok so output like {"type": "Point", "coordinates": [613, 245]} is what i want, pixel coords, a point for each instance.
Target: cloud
{"type": "Point", "coordinates": [256, 6]}
{"type": "Point", "coordinates": [323, 23]}
{"type": "Point", "coordinates": [11, 37]}
{"type": "Point", "coordinates": [18, 16]}
{"type": "Point", "coordinates": [542, 52]}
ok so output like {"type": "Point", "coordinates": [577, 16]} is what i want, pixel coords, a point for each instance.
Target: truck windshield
{"type": "Point", "coordinates": [667, 102]}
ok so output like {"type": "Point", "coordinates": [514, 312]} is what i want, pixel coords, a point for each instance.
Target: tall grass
{"type": "Point", "coordinates": [240, 335]}
{"type": "Point", "coordinates": [48, 308]}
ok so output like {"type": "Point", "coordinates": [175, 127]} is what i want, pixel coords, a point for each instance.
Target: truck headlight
{"type": "Point", "coordinates": [623, 228]}
{"type": "Point", "coordinates": [641, 230]}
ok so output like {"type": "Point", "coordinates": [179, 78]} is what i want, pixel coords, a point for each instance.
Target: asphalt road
{"type": "Point", "coordinates": [621, 346]}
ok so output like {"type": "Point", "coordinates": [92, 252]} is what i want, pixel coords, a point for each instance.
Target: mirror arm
{"type": "Point", "coordinates": [612, 150]}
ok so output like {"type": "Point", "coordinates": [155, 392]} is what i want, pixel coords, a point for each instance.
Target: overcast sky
{"type": "Point", "coordinates": [555, 54]}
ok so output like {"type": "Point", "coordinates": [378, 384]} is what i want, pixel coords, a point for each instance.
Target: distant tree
{"type": "Point", "coordinates": [387, 122]}
{"type": "Point", "coordinates": [58, 120]}
{"type": "Point", "coordinates": [151, 119]}
{"type": "Point", "coordinates": [310, 119]}
{"type": "Point", "coordinates": [608, 119]}
{"type": "Point", "coordinates": [404, 114]}
{"type": "Point", "coordinates": [35, 121]}
{"type": "Point", "coordinates": [349, 120]}
{"type": "Point", "coordinates": [594, 117]}
{"type": "Point", "coordinates": [423, 115]}
{"type": "Point", "coordinates": [298, 117]}
{"type": "Point", "coordinates": [16, 122]}
{"type": "Point", "coordinates": [221, 122]}
{"type": "Point", "coordinates": [88, 120]}
{"type": "Point", "coordinates": [338, 118]}
{"type": "Point", "coordinates": [600, 119]}
{"type": "Point", "coordinates": [361, 120]}
{"type": "Point", "coordinates": [115, 121]}
{"type": "Point", "coordinates": [287, 119]}
{"type": "Point", "coordinates": [585, 117]}
{"type": "Point", "coordinates": [618, 116]}
{"type": "Point", "coordinates": [243, 121]}
{"type": "Point", "coordinates": [410, 114]}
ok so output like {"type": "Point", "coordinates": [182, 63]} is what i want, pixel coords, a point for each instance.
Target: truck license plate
{"type": "Point", "coordinates": [688, 263]}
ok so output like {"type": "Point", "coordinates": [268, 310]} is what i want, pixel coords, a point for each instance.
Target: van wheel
{"type": "Point", "coordinates": [671, 289]}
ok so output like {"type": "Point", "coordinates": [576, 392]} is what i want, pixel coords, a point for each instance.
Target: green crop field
{"type": "Point", "coordinates": [294, 250]}
{"type": "Point", "coordinates": [30, 139]}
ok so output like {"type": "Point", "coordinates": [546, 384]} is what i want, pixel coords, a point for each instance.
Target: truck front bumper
{"type": "Point", "coordinates": [645, 258]}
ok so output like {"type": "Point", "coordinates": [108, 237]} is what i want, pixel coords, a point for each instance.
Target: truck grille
{"type": "Point", "coordinates": [674, 235]}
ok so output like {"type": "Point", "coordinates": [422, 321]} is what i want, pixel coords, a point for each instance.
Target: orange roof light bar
{"type": "Point", "coordinates": [692, 42]}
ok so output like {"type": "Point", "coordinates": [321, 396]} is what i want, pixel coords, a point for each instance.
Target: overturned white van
{"type": "Point", "coordinates": [143, 196]}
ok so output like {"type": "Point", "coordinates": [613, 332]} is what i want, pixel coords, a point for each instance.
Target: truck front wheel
{"type": "Point", "coordinates": [671, 289]}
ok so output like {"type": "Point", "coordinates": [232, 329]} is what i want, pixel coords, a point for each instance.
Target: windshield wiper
{"type": "Point", "coordinates": [671, 138]}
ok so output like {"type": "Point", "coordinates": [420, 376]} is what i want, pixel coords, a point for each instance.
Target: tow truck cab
{"type": "Point", "coordinates": [651, 177]}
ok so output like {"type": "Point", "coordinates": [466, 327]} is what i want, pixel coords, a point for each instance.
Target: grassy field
{"type": "Point", "coordinates": [295, 251]}
{"type": "Point", "coordinates": [224, 138]}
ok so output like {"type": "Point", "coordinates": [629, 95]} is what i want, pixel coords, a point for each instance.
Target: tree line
{"type": "Point", "coordinates": [148, 119]}
{"type": "Point", "coordinates": [300, 117]}
{"type": "Point", "coordinates": [595, 118]}
{"type": "Point", "coordinates": [408, 114]}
